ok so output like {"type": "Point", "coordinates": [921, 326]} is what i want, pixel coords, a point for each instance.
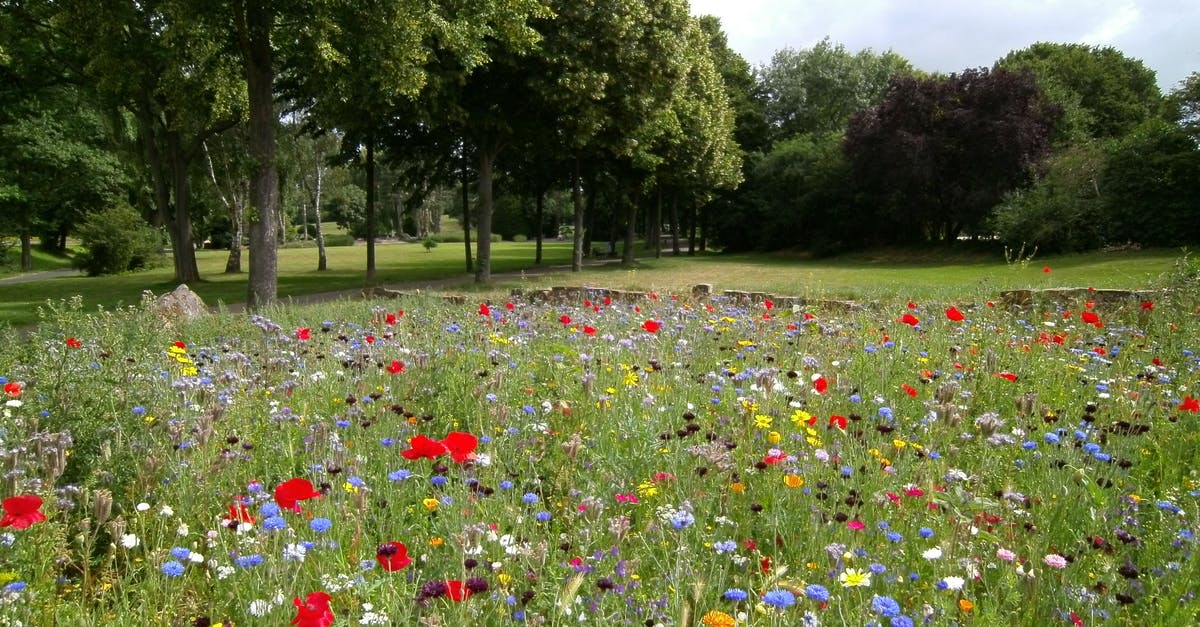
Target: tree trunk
{"type": "Point", "coordinates": [322, 260]}
{"type": "Point", "coordinates": [541, 207]}
{"type": "Point", "coordinates": [26, 251]}
{"type": "Point", "coordinates": [590, 213]}
{"type": "Point", "coordinates": [180, 223]}
{"type": "Point", "coordinates": [254, 37]}
{"type": "Point", "coordinates": [483, 228]}
{"type": "Point", "coordinates": [692, 228]}
{"type": "Point", "coordinates": [656, 226]}
{"type": "Point", "coordinates": [303, 221]}
{"type": "Point", "coordinates": [233, 264]}
{"type": "Point", "coordinates": [577, 197]}
{"type": "Point", "coordinates": [466, 219]}
{"type": "Point", "coordinates": [370, 211]}
{"type": "Point", "coordinates": [627, 251]}
{"type": "Point", "coordinates": [675, 225]}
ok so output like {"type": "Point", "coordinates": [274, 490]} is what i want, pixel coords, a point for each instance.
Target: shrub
{"type": "Point", "coordinates": [520, 238]}
{"type": "Point", "coordinates": [339, 239]}
{"type": "Point", "coordinates": [429, 244]}
{"type": "Point", "coordinates": [116, 240]}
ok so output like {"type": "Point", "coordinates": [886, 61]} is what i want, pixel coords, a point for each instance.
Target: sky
{"type": "Point", "coordinates": [951, 35]}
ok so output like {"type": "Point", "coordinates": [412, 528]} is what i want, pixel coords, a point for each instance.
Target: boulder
{"type": "Point", "coordinates": [180, 305]}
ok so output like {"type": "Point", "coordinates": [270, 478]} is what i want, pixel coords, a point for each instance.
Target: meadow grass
{"type": "Point", "coordinates": [671, 461]}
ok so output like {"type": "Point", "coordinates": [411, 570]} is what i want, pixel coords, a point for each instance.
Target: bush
{"type": "Point", "coordinates": [429, 244]}
{"type": "Point", "coordinates": [117, 240]}
{"type": "Point", "coordinates": [520, 238]}
{"type": "Point", "coordinates": [339, 239]}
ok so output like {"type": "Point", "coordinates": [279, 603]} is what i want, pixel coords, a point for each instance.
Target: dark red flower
{"type": "Point", "coordinates": [289, 493]}
{"type": "Point", "coordinates": [22, 511]}
{"type": "Point", "coordinates": [303, 333]}
{"type": "Point", "coordinates": [396, 367]}
{"type": "Point", "coordinates": [393, 556]}
{"type": "Point", "coordinates": [1148, 305]}
{"type": "Point", "coordinates": [954, 314]}
{"type": "Point", "coordinates": [73, 343]}
{"type": "Point", "coordinates": [651, 326]}
{"type": "Point", "coordinates": [910, 320]}
{"type": "Point", "coordinates": [461, 446]}
{"type": "Point", "coordinates": [313, 611]}
{"type": "Point", "coordinates": [424, 447]}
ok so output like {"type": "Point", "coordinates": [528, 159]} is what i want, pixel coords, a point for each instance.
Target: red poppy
{"type": "Point", "coordinates": [370, 339]}
{"type": "Point", "coordinates": [396, 367]}
{"type": "Point", "coordinates": [911, 305]}
{"type": "Point", "coordinates": [22, 511]}
{"type": "Point", "coordinates": [180, 345]}
{"type": "Point", "coordinates": [73, 343]}
{"type": "Point", "coordinates": [838, 421]}
{"type": "Point", "coordinates": [651, 326]}
{"type": "Point", "coordinates": [1188, 404]}
{"type": "Point", "coordinates": [289, 493]}
{"type": "Point", "coordinates": [239, 514]}
{"type": "Point", "coordinates": [456, 590]}
{"type": "Point", "coordinates": [393, 556]}
{"type": "Point", "coordinates": [400, 313]}
{"type": "Point", "coordinates": [484, 310]}
{"type": "Point", "coordinates": [390, 319]}
{"type": "Point", "coordinates": [954, 314]}
{"type": "Point", "coordinates": [303, 333]}
{"type": "Point", "coordinates": [1046, 269]}
{"type": "Point", "coordinates": [13, 388]}
{"type": "Point", "coordinates": [589, 330]}
{"type": "Point", "coordinates": [1148, 305]}
{"type": "Point", "coordinates": [1092, 319]}
{"type": "Point", "coordinates": [509, 306]}
{"type": "Point", "coordinates": [461, 446]}
{"type": "Point", "coordinates": [909, 390]}
{"type": "Point", "coordinates": [565, 319]}
{"type": "Point", "coordinates": [820, 385]}
{"type": "Point", "coordinates": [313, 611]}
{"type": "Point", "coordinates": [910, 320]}
{"type": "Point", "coordinates": [769, 304]}
{"type": "Point", "coordinates": [771, 460]}
{"type": "Point", "coordinates": [424, 447]}
{"type": "Point", "coordinates": [1007, 375]}
{"type": "Point", "coordinates": [809, 316]}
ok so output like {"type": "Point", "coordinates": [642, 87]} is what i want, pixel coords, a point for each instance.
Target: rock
{"type": "Point", "coordinates": [180, 305]}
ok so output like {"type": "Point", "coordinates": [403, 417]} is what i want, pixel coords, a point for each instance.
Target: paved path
{"type": "Point", "coordinates": [28, 277]}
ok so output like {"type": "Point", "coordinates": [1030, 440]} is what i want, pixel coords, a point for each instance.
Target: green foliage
{"type": "Point", "coordinates": [117, 240]}
{"type": "Point", "coordinates": [1183, 105]}
{"type": "Point", "coordinates": [1063, 210]}
{"type": "Point", "coordinates": [1152, 187]}
{"type": "Point", "coordinates": [429, 244]}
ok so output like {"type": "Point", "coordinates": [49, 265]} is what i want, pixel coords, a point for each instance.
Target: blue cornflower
{"type": "Point", "coordinates": [902, 621]}
{"type": "Point", "coordinates": [437, 480]}
{"type": "Point", "coordinates": [268, 510]}
{"type": "Point", "coordinates": [320, 525]}
{"type": "Point", "coordinates": [779, 598]}
{"type": "Point", "coordinates": [356, 482]}
{"type": "Point", "coordinates": [172, 569]}
{"type": "Point", "coordinates": [542, 516]}
{"type": "Point", "coordinates": [817, 592]}
{"type": "Point", "coordinates": [894, 536]}
{"type": "Point", "coordinates": [1051, 438]}
{"type": "Point", "coordinates": [15, 586]}
{"type": "Point", "coordinates": [506, 485]}
{"type": "Point", "coordinates": [138, 410]}
{"type": "Point", "coordinates": [387, 442]}
{"type": "Point", "coordinates": [274, 523]}
{"type": "Point", "coordinates": [1168, 507]}
{"type": "Point", "coordinates": [727, 546]}
{"type": "Point", "coordinates": [886, 606]}
{"type": "Point", "coordinates": [877, 568]}
{"type": "Point", "coordinates": [736, 595]}
{"type": "Point", "coordinates": [926, 532]}
{"type": "Point", "coordinates": [529, 498]}
{"type": "Point", "coordinates": [399, 475]}
{"type": "Point", "coordinates": [682, 519]}
{"type": "Point", "coordinates": [180, 553]}
{"type": "Point", "coordinates": [248, 561]}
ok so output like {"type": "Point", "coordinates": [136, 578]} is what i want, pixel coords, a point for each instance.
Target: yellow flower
{"type": "Point", "coordinates": [717, 618]}
{"type": "Point", "coordinates": [505, 579]}
{"type": "Point", "coordinates": [350, 488]}
{"type": "Point", "coordinates": [647, 488]}
{"type": "Point", "coordinates": [762, 421]}
{"type": "Point", "coordinates": [436, 541]}
{"type": "Point", "coordinates": [793, 481]}
{"type": "Point", "coordinates": [774, 437]}
{"type": "Point", "coordinates": [630, 379]}
{"type": "Point", "coordinates": [737, 487]}
{"type": "Point", "coordinates": [430, 504]}
{"type": "Point", "coordinates": [899, 444]}
{"type": "Point", "coordinates": [800, 417]}
{"type": "Point", "coordinates": [965, 605]}
{"type": "Point", "coordinates": [852, 577]}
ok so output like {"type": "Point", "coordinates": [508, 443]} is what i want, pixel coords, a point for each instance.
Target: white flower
{"type": "Point", "coordinates": [195, 557]}
{"type": "Point", "coordinates": [143, 507]}
{"type": "Point", "coordinates": [130, 540]}
{"type": "Point", "coordinates": [933, 554]}
{"type": "Point", "coordinates": [259, 607]}
{"type": "Point", "coordinates": [166, 511]}
{"type": "Point", "coordinates": [954, 583]}
{"type": "Point", "coordinates": [182, 529]}
{"type": "Point", "coordinates": [14, 403]}
{"type": "Point", "coordinates": [294, 552]}
{"type": "Point", "coordinates": [225, 571]}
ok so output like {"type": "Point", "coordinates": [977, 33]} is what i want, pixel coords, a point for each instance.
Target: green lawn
{"type": "Point", "coordinates": [862, 276]}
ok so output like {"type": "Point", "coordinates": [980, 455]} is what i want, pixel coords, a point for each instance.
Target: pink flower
{"type": "Point", "coordinates": [1054, 560]}
{"type": "Point", "coordinates": [1005, 555]}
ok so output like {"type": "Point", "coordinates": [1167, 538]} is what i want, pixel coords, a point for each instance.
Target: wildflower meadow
{"type": "Point", "coordinates": [657, 461]}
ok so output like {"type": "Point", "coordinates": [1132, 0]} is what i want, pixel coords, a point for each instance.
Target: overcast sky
{"type": "Point", "coordinates": [952, 35]}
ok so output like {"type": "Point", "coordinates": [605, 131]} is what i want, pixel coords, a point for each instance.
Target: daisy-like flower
{"type": "Point", "coordinates": [852, 577]}
{"type": "Point", "coordinates": [932, 554]}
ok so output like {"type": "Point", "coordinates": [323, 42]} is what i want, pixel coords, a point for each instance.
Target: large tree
{"type": "Point", "coordinates": [816, 90]}
{"type": "Point", "coordinates": [1103, 92]}
{"type": "Point", "coordinates": [939, 153]}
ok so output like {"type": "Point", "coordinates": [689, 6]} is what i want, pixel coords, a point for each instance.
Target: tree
{"type": "Point", "coordinates": [1063, 210]}
{"type": "Point", "coordinates": [1183, 105]}
{"type": "Point", "coordinates": [816, 90]}
{"type": "Point", "coordinates": [1151, 187]}
{"type": "Point", "coordinates": [1103, 92]}
{"type": "Point", "coordinates": [939, 153]}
